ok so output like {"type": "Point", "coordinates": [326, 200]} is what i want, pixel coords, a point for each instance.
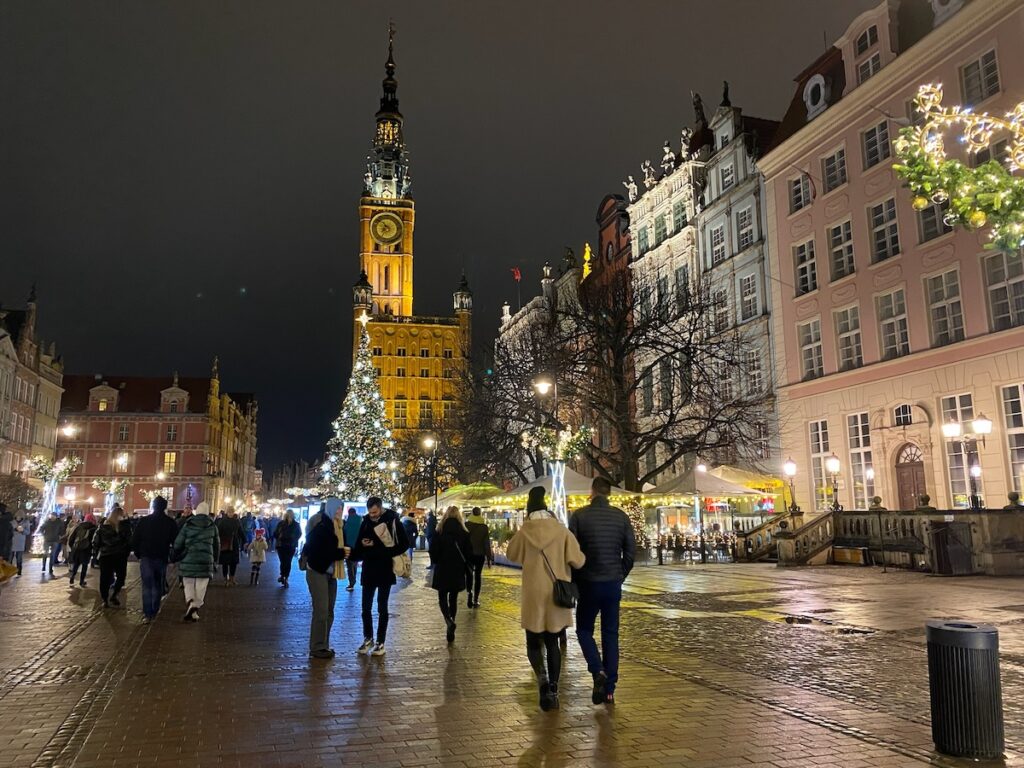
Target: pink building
{"type": "Point", "coordinates": [888, 324]}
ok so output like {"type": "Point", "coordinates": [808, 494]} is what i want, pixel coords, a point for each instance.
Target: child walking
{"type": "Point", "coordinates": [257, 555]}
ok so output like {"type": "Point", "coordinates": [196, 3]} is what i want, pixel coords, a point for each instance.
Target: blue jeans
{"type": "Point", "coordinates": [600, 597]}
{"type": "Point", "coordinates": [153, 571]}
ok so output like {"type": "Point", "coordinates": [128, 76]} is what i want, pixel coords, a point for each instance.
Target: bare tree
{"type": "Point", "coordinates": [15, 492]}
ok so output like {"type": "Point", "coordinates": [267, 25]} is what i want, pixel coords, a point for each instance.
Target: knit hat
{"type": "Point", "coordinates": [535, 499]}
{"type": "Point", "coordinates": [259, 533]}
{"type": "Point", "coordinates": [90, 517]}
{"type": "Point", "coordinates": [202, 508]}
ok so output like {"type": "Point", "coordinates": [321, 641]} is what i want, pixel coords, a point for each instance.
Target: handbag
{"type": "Point", "coordinates": [401, 564]}
{"type": "Point", "coordinates": [566, 594]}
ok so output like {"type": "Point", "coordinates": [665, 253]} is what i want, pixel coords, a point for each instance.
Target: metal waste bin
{"type": "Point", "coordinates": [966, 695]}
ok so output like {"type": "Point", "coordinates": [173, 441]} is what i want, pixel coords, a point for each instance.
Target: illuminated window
{"type": "Point", "coordinates": [170, 462]}
{"type": "Point", "coordinates": [959, 408]}
{"type": "Point", "coordinates": [401, 414]}
{"type": "Point", "coordinates": [860, 458]}
{"type": "Point", "coordinates": [102, 405]}
{"type": "Point", "coordinates": [819, 453]}
{"type": "Point", "coordinates": [1013, 417]}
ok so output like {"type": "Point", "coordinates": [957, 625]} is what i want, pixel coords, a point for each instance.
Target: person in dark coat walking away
{"type": "Point", "coordinates": [249, 527]}
{"type": "Point", "coordinates": [480, 541]}
{"type": "Point", "coordinates": [152, 541]}
{"type": "Point", "coordinates": [52, 530]}
{"type": "Point", "coordinates": [110, 547]}
{"type": "Point", "coordinates": [449, 555]}
{"type": "Point", "coordinates": [381, 537]}
{"type": "Point", "coordinates": [80, 547]}
{"type": "Point", "coordinates": [272, 522]}
{"type": "Point", "coordinates": [353, 522]}
{"type": "Point", "coordinates": [6, 532]}
{"type": "Point", "coordinates": [607, 540]}
{"type": "Point", "coordinates": [232, 538]}
{"type": "Point", "coordinates": [409, 523]}
{"type": "Point", "coordinates": [321, 550]}
{"type": "Point", "coordinates": [430, 529]}
{"type": "Point", "coordinates": [20, 539]}
{"type": "Point", "coordinates": [287, 537]}
{"type": "Point", "coordinates": [197, 548]}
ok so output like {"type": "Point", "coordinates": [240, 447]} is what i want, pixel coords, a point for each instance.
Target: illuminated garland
{"type": "Point", "coordinates": [47, 470]}
{"type": "Point", "coordinates": [114, 486]}
{"type": "Point", "coordinates": [555, 445]}
{"type": "Point", "coordinates": [990, 194]}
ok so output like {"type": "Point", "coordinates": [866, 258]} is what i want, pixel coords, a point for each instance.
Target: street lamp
{"type": "Point", "coordinates": [789, 469]}
{"type": "Point", "coordinates": [832, 466]}
{"type": "Point", "coordinates": [122, 461]}
{"type": "Point", "coordinates": [967, 442]}
{"type": "Point", "coordinates": [161, 476]}
{"type": "Point", "coordinates": [69, 430]}
{"type": "Point", "coordinates": [430, 443]}
{"type": "Point", "coordinates": [545, 384]}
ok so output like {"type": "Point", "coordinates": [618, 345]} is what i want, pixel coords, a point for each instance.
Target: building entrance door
{"type": "Point", "coordinates": [909, 476]}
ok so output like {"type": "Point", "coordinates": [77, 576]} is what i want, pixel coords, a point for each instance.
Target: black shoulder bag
{"type": "Point", "coordinates": [566, 593]}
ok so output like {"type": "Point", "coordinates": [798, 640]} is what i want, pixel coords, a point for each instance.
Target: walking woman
{"type": "Point", "coordinates": [19, 540]}
{"type": "Point", "coordinates": [353, 522]}
{"type": "Point", "coordinates": [381, 537]}
{"type": "Point", "coordinates": [232, 537]}
{"type": "Point", "coordinates": [287, 538]}
{"type": "Point", "coordinates": [80, 548]}
{"type": "Point", "coordinates": [110, 547]}
{"type": "Point", "coordinates": [449, 551]}
{"type": "Point", "coordinates": [197, 548]}
{"type": "Point", "coordinates": [547, 552]}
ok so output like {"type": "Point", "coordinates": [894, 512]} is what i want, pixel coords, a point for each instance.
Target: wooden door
{"type": "Point", "coordinates": [909, 476]}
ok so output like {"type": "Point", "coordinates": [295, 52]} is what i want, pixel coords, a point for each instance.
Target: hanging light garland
{"type": "Point", "coordinates": [989, 195]}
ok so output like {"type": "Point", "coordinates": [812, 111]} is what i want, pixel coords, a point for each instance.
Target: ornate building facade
{"type": "Point", "coordinates": [419, 360]}
{"type": "Point", "coordinates": [181, 437]}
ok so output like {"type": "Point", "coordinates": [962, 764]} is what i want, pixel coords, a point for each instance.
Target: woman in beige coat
{"type": "Point", "coordinates": [547, 551]}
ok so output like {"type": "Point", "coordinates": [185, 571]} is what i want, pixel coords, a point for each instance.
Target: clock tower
{"type": "Point", "coordinates": [386, 208]}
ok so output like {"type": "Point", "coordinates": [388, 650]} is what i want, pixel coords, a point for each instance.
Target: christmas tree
{"type": "Point", "coordinates": [361, 455]}
{"type": "Point", "coordinates": [638, 520]}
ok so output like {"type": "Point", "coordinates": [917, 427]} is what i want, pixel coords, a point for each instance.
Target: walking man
{"type": "Point", "coordinates": [151, 542]}
{"type": "Point", "coordinates": [606, 538]}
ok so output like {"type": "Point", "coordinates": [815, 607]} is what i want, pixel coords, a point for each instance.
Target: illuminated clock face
{"type": "Point", "coordinates": [386, 228]}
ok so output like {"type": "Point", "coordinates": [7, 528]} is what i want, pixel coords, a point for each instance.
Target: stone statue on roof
{"type": "Point", "coordinates": [650, 177]}
{"type": "Point", "coordinates": [668, 159]}
{"type": "Point", "coordinates": [685, 136]}
{"type": "Point", "coordinates": [631, 189]}
{"type": "Point", "coordinates": [698, 108]}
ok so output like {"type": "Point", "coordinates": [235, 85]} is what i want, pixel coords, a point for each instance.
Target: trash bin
{"type": "Point", "coordinates": [966, 695]}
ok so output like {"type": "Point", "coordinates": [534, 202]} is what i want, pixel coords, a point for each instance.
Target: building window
{"type": "Point", "coordinates": [448, 372]}
{"type": "Point", "coordinates": [172, 433]}
{"type": "Point", "coordinates": [426, 413]}
{"type": "Point", "coordinates": [799, 193]}
{"type": "Point", "coordinates": [867, 38]}
{"type": "Point", "coordinates": [400, 371]}
{"type": "Point", "coordinates": [400, 351]}
{"type": "Point", "coordinates": [885, 234]}
{"type": "Point", "coordinates": [810, 349]}
{"type": "Point", "coordinates": [1004, 280]}
{"type": "Point", "coordinates": [806, 268]}
{"type": "Point", "coordinates": [848, 338]}
{"type": "Point", "coordinates": [642, 243]}
{"type": "Point", "coordinates": [748, 297]}
{"type": "Point", "coordinates": [876, 144]}
{"type": "Point", "coordinates": [682, 288]}
{"type": "Point", "coordinates": [660, 230]}
{"type": "Point", "coordinates": [401, 414]}
{"type": "Point", "coordinates": [860, 459]}
{"type": "Point", "coordinates": [745, 228]}
{"type": "Point", "coordinates": [377, 372]}
{"type": "Point", "coordinates": [833, 170]}
{"type": "Point", "coordinates": [678, 216]}
{"type": "Point", "coordinates": [869, 67]}
{"type": "Point", "coordinates": [819, 452]}
{"type": "Point", "coordinates": [755, 377]}
{"type": "Point", "coordinates": [448, 354]}
{"type": "Point", "coordinates": [721, 302]}
{"type": "Point", "coordinates": [903, 415]}
{"type": "Point", "coordinates": [173, 406]}
{"type": "Point", "coordinates": [665, 384]}
{"type": "Point", "coordinates": [170, 462]}
{"type": "Point", "coordinates": [424, 351]}
{"type": "Point", "coordinates": [648, 394]}
{"type": "Point", "coordinates": [377, 352]}
{"type": "Point", "coordinates": [102, 405]}
{"type": "Point", "coordinates": [931, 222]}
{"type": "Point", "coordinates": [959, 408]}
{"type": "Point", "coordinates": [892, 325]}
{"type": "Point", "coordinates": [717, 245]}
{"type": "Point", "coordinates": [996, 150]}
{"type": "Point", "coordinates": [122, 433]}
{"type": "Point", "coordinates": [424, 373]}
{"type": "Point", "coordinates": [944, 310]}
{"type": "Point", "coordinates": [980, 79]}
{"type": "Point", "coordinates": [727, 176]}
{"type": "Point", "coordinates": [1013, 418]}
{"type": "Point", "coordinates": [841, 244]}
{"type": "Point", "coordinates": [448, 410]}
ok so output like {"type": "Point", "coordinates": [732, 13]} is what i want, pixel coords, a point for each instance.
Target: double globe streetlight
{"type": "Point", "coordinates": [967, 442]}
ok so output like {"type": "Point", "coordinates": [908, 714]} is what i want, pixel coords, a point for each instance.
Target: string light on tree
{"type": "Point", "coordinates": [992, 194]}
{"type": "Point", "coordinates": [360, 456]}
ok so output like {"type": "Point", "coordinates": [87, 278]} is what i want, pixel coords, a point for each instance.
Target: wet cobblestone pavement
{"type": "Point", "coordinates": [723, 665]}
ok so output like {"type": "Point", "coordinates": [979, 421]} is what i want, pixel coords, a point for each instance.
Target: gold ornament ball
{"type": "Point", "coordinates": [920, 203]}
{"type": "Point", "coordinates": [977, 219]}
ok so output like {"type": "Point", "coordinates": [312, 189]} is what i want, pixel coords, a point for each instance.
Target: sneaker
{"type": "Point", "coordinates": [280, 579]}
{"type": "Point", "coordinates": [599, 693]}
{"type": "Point", "coordinates": [195, 614]}
{"type": "Point", "coordinates": [190, 613]}
{"type": "Point", "coordinates": [609, 699]}
{"type": "Point", "coordinates": [146, 620]}
{"type": "Point", "coordinates": [366, 647]}
{"type": "Point", "coordinates": [378, 649]}
{"type": "Point", "coordinates": [350, 588]}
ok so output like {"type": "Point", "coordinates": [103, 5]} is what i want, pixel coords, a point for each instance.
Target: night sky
{"type": "Point", "coordinates": [181, 178]}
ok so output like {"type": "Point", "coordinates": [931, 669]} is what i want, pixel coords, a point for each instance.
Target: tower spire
{"type": "Point", "coordinates": [389, 97]}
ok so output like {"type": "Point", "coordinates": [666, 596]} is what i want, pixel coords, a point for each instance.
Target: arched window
{"type": "Point", "coordinates": [173, 406]}
{"type": "Point", "coordinates": [910, 454]}
{"type": "Point", "coordinates": [387, 279]}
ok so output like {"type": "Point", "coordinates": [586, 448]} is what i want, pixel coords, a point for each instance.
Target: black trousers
{"type": "Point", "coordinates": [286, 554]}
{"type": "Point", "coordinates": [477, 561]}
{"type": "Point", "coordinates": [80, 560]}
{"type": "Point", "coordinates": [540, 645]}
{"type": "Point", "coordinates": [383, 593]}
{"type": "Point", "coordinates": [113, 571]}
{"type": "Point", "coordinates": [449, 602]}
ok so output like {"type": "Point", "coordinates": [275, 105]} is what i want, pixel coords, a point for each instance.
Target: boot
{"type": "Point", "coordinates": [545, 695]}
{"type": "Point", "coordinates": [554, 696]}
{"type": "Point", "coordinates": [252, 578]}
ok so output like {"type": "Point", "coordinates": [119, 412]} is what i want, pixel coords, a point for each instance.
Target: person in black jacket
{"type": "Point", "coordinates": [151, 542]}
{"type": "Point", "coordinates": [80, 547]}
{"type": "Point", "coordinates": [321, 550]}
{"type": "Point", "coordinates": [381, 537]}
{"type": "Point", "coordinates": [232, 537]}
{"type": "Point", "coordinates": [6, 532]}
{"type": "Point", "coordinates": [110, 546]}
{"type": "Point", "coordinates": [449, 551]}
{"type": "Point", "coordinates": [606, 538]}
{"type": "Point", "coordinates": [287, 537]}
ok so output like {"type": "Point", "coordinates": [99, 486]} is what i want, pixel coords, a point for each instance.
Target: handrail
{"type": "Point", "coordinates": [759, 542]}
{"type": "Point", "coordinates": [799, 546]}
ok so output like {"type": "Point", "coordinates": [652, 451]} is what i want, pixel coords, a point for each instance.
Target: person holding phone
{"type": "Point", "coordinates": [381, 537]}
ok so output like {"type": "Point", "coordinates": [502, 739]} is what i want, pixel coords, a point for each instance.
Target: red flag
{"type": "Point", "coordinates": [516, 274]}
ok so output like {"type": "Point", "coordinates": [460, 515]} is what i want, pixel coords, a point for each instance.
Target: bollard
{"type": "Point", "coordinates": [966, 695]}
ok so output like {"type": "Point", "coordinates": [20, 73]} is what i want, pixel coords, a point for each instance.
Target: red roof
{"type": "Point", "coordinates": [136, 394]}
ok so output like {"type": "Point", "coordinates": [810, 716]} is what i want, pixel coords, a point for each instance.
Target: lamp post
{"type": "Point", "coordinates": [789, 469]}
{"type": "Point", "coordinates": [967, 442]}
{"type": "Point", "coordinates": [545, 384]}
{"type": "Point", "coordinates": [430, 443]}
{"type": "Point", "coordinates": [832, 466]}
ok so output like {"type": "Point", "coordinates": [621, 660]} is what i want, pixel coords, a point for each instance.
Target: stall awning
{"type": "Point", "coordinates": [697, 483]}
{"type": "Point", "coordinates": [747, 478]}
{"type": "Point", "coordinates": [575, 485]}
{"type": "Point", "coordinates": [460, 495]}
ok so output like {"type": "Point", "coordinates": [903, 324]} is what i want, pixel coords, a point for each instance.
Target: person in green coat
{"type": "Point", "coordinates": [196, 548]}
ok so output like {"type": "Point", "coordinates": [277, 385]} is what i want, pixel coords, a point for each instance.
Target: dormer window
{"type": "Point", "coordinates": [869, 67]}
{"type": "Point", "coordinates": [173, 406]}
{"type": "Point", "coordinates": [867, 39]}
{"type": "Point", "coordinates": [723, 141]}
{"type": "Point", "coordinates": [102, 405]}
{"type": "Point", "coordinates": [816, 96]}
